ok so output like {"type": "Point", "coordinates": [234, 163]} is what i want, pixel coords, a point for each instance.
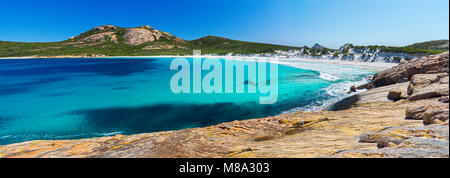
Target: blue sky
{"type": "Point", "coordinates": [290, 22]}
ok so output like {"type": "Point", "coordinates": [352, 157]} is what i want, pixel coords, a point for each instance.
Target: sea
{"type": "Point", "coordinates": [55, 99]}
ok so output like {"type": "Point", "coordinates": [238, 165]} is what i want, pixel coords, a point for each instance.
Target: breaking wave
{"type": "Point", "coordinates": [328, 77]}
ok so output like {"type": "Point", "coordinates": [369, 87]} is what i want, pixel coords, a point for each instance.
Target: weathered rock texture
{"type": "Point", "coordinates": [428, 86]}
{"type": "Point", "coordinates": [405, 142]}
{"type": "Point", "coordinates": [102, 37]}
{"type": "Point", "coordinates": [395, 94]}
{"type": "Point", "coordinates": [136, 36]}
{"type": "Point", "coordinates": [105, 27]}
{"type": "Point", "coordinates": [429, 95]}
{"type": "Point", "coordinates": [131, 36]}
{"type": "Point", "coordinates": [404, 72]}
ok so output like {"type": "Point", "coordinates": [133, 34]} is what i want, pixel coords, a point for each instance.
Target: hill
{"type": "Point", "coordinates": [436, 45]}
{"type": "Point", "coordinates": [222, 46]}
{"type": "Point", "coordinates": [110, 40]}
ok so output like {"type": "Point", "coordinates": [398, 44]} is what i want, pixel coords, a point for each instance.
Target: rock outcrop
{"type": "Point", "coordinates": [423, 86]}
{"type": "Point", "coordinates": [352, 89]}
{"type": "Point", "coordinates": [132, 36]}
{"type": "Point", "coordinates": [102, 37]}
{"type": "Point", "coordinates": [428, 92]}
{"type": "Point", "coordinates": [404, 72]}
{"type": "Point", "coordinates": [431, 91]}
{"type": "Point", "coordinates": [105, 28]}
{"type": "Point", "coordinates": [144, 34]}
{"type": "Point", "coordinates": [429, 112]}
{"type": "Point", "coordinates": [137, 36]}
{"type": "Point", "coordinates": [419, 81]}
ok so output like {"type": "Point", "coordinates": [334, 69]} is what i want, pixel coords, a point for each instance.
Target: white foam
{"type": "Point", "coordinates": [328, 77]}
{"type": "Point", "coordinates": [336, 92]}
{"type": "Point", "coordinates": [331, 72]}
{"type": "Point", "coordinates": [110, 133]}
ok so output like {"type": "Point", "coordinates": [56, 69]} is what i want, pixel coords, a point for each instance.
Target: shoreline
{"type": "Point", "coordinates": [281, 61]}
{"type": "Point", "coordinates": [291, 62]}
{"type": "Point", "coordinates": [376, 66]}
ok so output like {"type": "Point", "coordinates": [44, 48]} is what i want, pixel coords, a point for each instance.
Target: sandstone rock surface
{"type": "Point", "coordinates": [395, 94]}
{"type": "Point", "coordinates": [431, 91]}
{"type": "Point", "coordinates": [405, 142]}
{"type": "Point", "coordinates": [403, 72]}
{"type": "Point", "coordinates": [423, 86]}
{"type": "Point", "coordinates": [419, 81]}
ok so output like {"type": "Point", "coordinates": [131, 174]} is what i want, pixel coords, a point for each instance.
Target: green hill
{"type": "Point", "coordinates": [436, 45]}
{"type": "Point", "coordinates": [111, 40]}
{"type": "Point", "coordinates": [221, 46]}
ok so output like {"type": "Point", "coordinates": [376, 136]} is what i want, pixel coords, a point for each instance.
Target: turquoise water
{"type": "Point", "coordinates": [45, 99]}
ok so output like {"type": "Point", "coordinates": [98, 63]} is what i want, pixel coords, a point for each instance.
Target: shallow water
{"type": "Point", "coordinates": [81, 98]}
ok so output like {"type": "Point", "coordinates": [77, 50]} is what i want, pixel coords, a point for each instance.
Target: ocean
{"type": "Point", "coordinates": [53, 99]}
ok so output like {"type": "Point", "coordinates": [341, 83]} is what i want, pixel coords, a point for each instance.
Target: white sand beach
{"type": "Point", "coordinates": [376, 66]}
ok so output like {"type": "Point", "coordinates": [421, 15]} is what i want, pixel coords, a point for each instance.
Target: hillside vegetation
{"type": "Point", "coordinates": [110, 40]}
{"type": "Point", "coordinates": [428, 47]}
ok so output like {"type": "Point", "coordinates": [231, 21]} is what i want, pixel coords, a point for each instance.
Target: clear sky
{"type": "Point", "coordinates": [290, 22]}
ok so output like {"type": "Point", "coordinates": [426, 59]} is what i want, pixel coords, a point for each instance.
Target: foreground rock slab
{"type": "Point", "coordinates": [299, 135]}
{"type": "Point", "coordinates": [405, 142]}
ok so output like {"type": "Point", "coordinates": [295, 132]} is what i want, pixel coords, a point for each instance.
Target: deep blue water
{"type": "Point", "coordinates": [81, 98]}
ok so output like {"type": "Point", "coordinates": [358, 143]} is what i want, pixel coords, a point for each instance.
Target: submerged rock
{"type": "Point", "coordinates": [365, 86]}
{"type": "Point", "coordinates": [352, 89]}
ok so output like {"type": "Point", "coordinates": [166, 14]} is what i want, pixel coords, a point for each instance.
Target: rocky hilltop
{"type": "Point", "coordinates": [107, 34]}
{"type": "Point", "coordinates": [394, 118]}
